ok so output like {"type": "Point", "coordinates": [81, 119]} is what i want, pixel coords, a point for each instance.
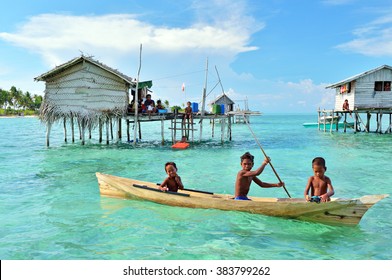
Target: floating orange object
{"type": "Point", "coordinates": [180, 145]}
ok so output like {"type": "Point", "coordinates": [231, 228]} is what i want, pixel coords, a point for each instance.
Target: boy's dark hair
{"type": "Point", "coordinates": [247, 155]}
{"type": "Point", "coordinates": [148, 95]}
{"type": "Point", "coordinates": [319, 161]}
{"type": "Point", "coordinates": [171, 163]}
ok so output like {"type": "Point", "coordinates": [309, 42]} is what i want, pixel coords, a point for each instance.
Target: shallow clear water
{"type": "Point", "coordinates": [51, 208]}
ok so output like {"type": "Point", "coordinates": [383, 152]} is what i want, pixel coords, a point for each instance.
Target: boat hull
{"type": "Point", "coordinates": [335, 212]}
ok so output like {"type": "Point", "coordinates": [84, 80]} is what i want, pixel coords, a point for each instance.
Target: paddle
{"type": "Point", "coordinates": [191, 190]}
{"type": "Point", "coordinates": [156, 190]}
{"type": "Point", "coordinates": [257, 141]}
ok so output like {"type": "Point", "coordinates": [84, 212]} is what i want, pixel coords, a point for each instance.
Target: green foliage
{"type": "Point", "coordinates": [22, 103]}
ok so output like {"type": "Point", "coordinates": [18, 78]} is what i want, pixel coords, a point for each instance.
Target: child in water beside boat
{"type": "Point", "coordinates": [173, 181]}
{"type": "Point", "coordinates": [245, 177]}
{"type": "Point", "coordinates": [319, 185]}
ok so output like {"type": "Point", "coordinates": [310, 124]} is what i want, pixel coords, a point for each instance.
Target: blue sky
{"type": "Point", "coordinates": [278, 54]}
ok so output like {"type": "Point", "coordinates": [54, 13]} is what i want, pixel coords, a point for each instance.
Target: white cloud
{"type": "Point", "coordinates": [372, 39]}
{"type": "Point", "coordinates": [56, 36]}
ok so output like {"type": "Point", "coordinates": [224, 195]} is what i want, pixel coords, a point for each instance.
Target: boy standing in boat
{"type": "Point", "coordinates": [173, 181]}
{"type": "Point", "coordinates": [320, 186]}
{"type": "Point", "coordinates": [246, 176]}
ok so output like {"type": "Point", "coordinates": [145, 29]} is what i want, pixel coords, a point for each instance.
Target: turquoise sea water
{"type": "Point", "coordinates": [50, 207]}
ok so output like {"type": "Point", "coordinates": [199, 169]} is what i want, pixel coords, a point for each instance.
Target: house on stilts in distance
{"type": "Point", "coordinates": [368, 93]}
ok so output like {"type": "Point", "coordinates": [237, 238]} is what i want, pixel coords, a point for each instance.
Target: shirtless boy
{"type": "Point", "coordinates": [173, 181]}
{"type": "Point", "coordinates": [246, 176]}
{"type": "Point", "coordinates": [319, 184]}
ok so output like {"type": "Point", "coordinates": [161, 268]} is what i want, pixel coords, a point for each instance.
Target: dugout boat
{"type": "Point", "coordinates": [336, 212]}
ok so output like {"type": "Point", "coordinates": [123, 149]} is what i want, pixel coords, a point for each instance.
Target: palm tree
{"type": "Point", "coordinates": [5, 99]}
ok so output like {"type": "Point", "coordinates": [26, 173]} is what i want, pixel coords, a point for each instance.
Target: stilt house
{"type": "Point", "coordinates": [369, 90]}
{"type": "Point", "coordinates": [86, 90]}
{"type": "Point", "coordinates": [224, 100]}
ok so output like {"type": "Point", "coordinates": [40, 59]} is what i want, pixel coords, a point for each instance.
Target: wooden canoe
{"type": "Point", "coordinates": [336, 212]}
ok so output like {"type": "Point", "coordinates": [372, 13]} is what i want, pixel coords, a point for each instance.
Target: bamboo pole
{"type": "Point", "coordinates": [136, 98]}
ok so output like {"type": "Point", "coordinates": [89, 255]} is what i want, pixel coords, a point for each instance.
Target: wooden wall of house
{"type": "Point", "coordinates": [86, 86]}
{"type": "Point", "coordinates": [340, 97]}
{"type": "Point", "coordinates": [364, 95]}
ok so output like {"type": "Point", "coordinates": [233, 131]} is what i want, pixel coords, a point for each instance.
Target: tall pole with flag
{"type": "Point", "coordinates": [183, 90]}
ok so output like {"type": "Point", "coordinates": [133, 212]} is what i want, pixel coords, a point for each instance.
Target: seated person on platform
{"type": "Point", "coordinates": [159, 105]}
{"type": "Point", "coordinates": [173, 181]}
{"type": "Point", "coordinates": [346, 106]}
{"type": "Point", "coordinates": [150, 104]}
{"type": "Point", "coordinates": [188, 112]}
{"type": "Point", "coordinates": [245, 177]}
{"type": "Point", "coordinates": [319, 185]}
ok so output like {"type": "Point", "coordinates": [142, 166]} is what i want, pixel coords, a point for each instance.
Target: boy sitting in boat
{"type": "Point", "coordinates": [320, 186]}
{"type": "Point", "coordinates": [173, 181]}
{"type": "Point", "coordinates": [246, 176]}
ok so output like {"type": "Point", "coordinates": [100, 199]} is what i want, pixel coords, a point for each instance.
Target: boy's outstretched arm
{"type": "Point", "coordinates": [267, 185]}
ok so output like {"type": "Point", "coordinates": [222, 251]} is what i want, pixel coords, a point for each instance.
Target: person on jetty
{"type": "Point", "coordinates": [150, 104]}
{"type": "Point", "coordinates": [245, 177]}
{"type": "Point", "coordinates": [173, 181]}
{"type": "Point", "coordinates": [188, 112]}
{"type": "Point", "coordinates": [346, 106]}
{"type": "Point", "coordinates": [319, 185]}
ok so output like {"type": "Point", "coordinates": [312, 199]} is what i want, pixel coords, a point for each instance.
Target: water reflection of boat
{"type": "Point", "coordinates": [328, 125]}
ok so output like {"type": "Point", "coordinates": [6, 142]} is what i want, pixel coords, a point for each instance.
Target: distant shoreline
{"type": "Point", "coordinates": [14, 116]}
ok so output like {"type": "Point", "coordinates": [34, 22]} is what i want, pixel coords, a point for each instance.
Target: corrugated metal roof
{"type": "Point", "coordinates": [77, 60]}
{"type": "Point", "coordinates": [358, 76]}
{"type": "Point", "coordinates": [223, 95]}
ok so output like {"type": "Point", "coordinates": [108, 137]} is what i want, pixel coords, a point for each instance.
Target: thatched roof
{"type": "Point", "coordinates": [64, 66]}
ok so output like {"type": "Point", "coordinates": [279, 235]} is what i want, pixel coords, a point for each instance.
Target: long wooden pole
{"type": "Point", "coordinates": [136, 98]}
{"type": "Point", "coordinates": [273, 169]}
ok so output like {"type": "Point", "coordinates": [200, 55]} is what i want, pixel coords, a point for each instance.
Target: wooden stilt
{"type": "Point", "coordinates": [111, 127]}
{"type": "Point", "coordinates": [119, 129]}
{"type": "Point", "coordinates": [80, 129]}
{"type": "Point", "coordinates": [128, 134]}
{"type": "Point", "coordinates": [140, 130]}
{"type": "Point", "coordinates": [72, 129]}
{"type": "Point", "coordinates": [368, 116]}
{"type": "Point", "coordinates": [162, 132]}
{"type": "Point", "coordinates": [107, 131]}
{"type": "Point", "coordinates": [229, 127]}
{"type": "Point", "coordinates": [48, 128]}
{"type": "Point", "coordinates": [212, 128]}
{"type": "Point", "coordinates": [100, 130]}
{"type": "Point", "coordinates": [83, 124]}
{"type": "Point", "coordinates": [65, 129]}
